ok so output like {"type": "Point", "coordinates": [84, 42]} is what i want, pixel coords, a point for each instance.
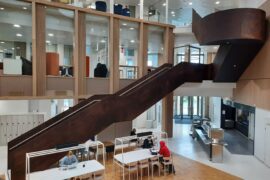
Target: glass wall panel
{"type": "Point", "coordinates": [59, 41]}
{"type": "Point", "coordinates": [155, 46]}
{"type": "Point", "coordinates": [127, 8]}
{"type": "Point", "coordinates": [129, 48]}
{"type": "Point", "coordinates": [155, 10]}
{"type": "Point", "coordinates": [103, 5]}
{"type": "Point", "coordinates": [16, 37]}
{"type": "Point", "coordinates": [97, 41]}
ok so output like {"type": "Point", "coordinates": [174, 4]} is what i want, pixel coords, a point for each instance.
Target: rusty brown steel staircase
{"type": "Point", "coordinates": [93, 115]}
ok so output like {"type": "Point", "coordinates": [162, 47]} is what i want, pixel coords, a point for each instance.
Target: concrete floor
{"type": "Point", "coordinates": [244, 166]}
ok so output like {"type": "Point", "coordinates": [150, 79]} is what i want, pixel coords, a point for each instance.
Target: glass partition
{"type": "Point", "coordinates": [155, 47]}
{"type": "Point", "coordinates": [103, 5]}
{"type": "Point", "coordinates": [129, 47]}
{"type": "Point", "coordinates": [59, 41]}
{"type": "Point", "coordinates": [97, 41]}
{"type": "Point", "coordinates": [16, 37]}
{"type": "Point", "coordinates": [127, 8]}
{"type": "Point", "coordinates": [155, 11]}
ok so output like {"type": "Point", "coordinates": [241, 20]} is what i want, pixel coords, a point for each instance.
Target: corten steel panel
{"type": "Point", "coordinates": [125, 105]}
{"type": "Point", "coordinates": [240, 34]}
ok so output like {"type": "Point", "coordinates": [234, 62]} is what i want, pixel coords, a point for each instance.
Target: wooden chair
{"type": "Point", "coordinates": [143, 164]}
{"type": "Point", "coordinates": [132, 168]}
{"type": "Point", "coordinates": [168, 161]}
{"type": "Point", "coordinates": [155, 162]}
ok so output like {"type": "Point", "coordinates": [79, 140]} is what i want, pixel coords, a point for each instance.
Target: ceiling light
{"type": "Point", "coordinates": [51, 34]}
{"type": "Point", "coordinates": [132, 28]}
{"type": "Point", "coordinates": [18, 48]}
{"type": "Point", "coordinates": [190, 3]}
{"type": "Point", "coordinates": [172, 12]}
{"type": "Point", "coordinates": [1, 8]}
{"type": "Point", "coordinates": [103, 41]}
{"type": "Point", "coordinates": [19, 35]}
{"type": "Point", "coordinates": [164, 4]}
{"type": "Point", "coordinates": [2, 42]}
{"type": "Point", "coordinates": [124, 24]}
{"type": "Point", "coordinates": [132, 41]}
{"type": "Point", "coordinates": [17, 25]}
{"type": "Point", "coordinates": [48, 42]}
{"type": "Point", "coordinates": [217, 2]}
{"type": "Point", "coordinates": [173, 15]}
{"type": "Point", "coordinates": [24, 8]}
{"type": "Point", "coordinates": [150, 13]}
{"type": "Point", "coordinates": [12, 48]}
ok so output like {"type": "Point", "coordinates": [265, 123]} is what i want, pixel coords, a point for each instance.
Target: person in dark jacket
{"type": "Point", "coordinates": [100, 70]}
{"type": "Point", "coordinates": [148, 143]}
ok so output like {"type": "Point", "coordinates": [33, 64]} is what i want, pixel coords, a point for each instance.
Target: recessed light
{"type": "Point", "coordinates": [234, 65]}
{"type": "Point", "coordinates": [172, 12]}
{"type": "Point", "coordinates": [18, 48]}
{"type": "Point", "coordinates": [124, 24]}
{"type": "Point", "coordinates": [132, 28]}
{"type": "Point", "coordinates": [217, 2]}
{"type": "Point", "coordinates": [173, 15]}
{"type": "Point", "coordinates": [51, 34]}
{"type": "Point", "coordinates": [12, 48]}
{"type": "Point", "coordinates": [17, 25]}
{"type": "Point", "coordinates": [2, 42]}
{"type": "Point", "coordinates": [19, 35]}
{"type": "Point", "coordinates": [1, 8]}
{"type": "Point", "coordinates": [132, 41]}
{"type": "Point", "coordinates": [24, 8]}
{"type": "Point", "coordinates": [190, 3]}
{"type": "Point", "coordinates": [103, 41]}
{"type": "Point", "coordinates": [164, 4]}
{"type": "Point", "coordinates": [150, 13]}
{"type": "Point", "coordinates": [48, 42]}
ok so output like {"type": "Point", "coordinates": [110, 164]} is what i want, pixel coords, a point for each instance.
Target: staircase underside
{"type": "Point", "coordinates": [240, 33]}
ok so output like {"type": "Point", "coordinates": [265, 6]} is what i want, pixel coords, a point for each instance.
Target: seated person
{"type": "Point", "coordinates": [164, 150]}
{"type": "Point", "coordinates": [68, 160]}
{"type": "Point", "coordinates": [165, 153]}
{"type": "Point", "coordinates": [148, 143]}
{"type": "Point", "coordinates": [133, 132]}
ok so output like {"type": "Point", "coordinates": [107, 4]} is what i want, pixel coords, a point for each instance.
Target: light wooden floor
{"type": "Point", "coordinates": [185, 168]}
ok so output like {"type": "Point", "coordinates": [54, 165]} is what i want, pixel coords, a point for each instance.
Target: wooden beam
{"type": "Point", "coordinates": [143, 48]}
{"type": "Point", "coordinates": [80, 54]}
{"type": "Point", "coordinates": [167, 114]}
{"type": "Point", "coordinates": [115, 54]}
{"type": "Point", "coordinates": [39, 50]}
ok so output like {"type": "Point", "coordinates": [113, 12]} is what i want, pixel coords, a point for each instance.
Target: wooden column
{"type": "Point", "coordinates": [167, 114]}
{"type": "Point", "coordinates": [39, 49]}
{"type": "Point", "coordinates": [80, 54]}
{"type": "Point", "coordinates": [143, 50]}
{"type": "Point", "coordinates": [167, 102]}
{"type": "Point", "coordinates": [114, 54]}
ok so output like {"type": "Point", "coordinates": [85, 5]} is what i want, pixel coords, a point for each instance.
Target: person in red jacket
{"type": "Point", "coordinates": [164, 151]}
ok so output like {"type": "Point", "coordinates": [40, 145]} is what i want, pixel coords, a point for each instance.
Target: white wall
{"type": "Point", "coordinates": [13, 107]}
{"type": "Point", "coordinates": [215, 111]}
{"type": "Point", "coordinates": [140, 121]}
{"type": "Point", "coordinates": [261, 150]}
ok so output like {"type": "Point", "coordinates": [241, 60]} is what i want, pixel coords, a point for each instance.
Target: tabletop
{"type": "Point", "coordinates": [134, 156]}
{"type": "Point", "coordinates": [58, 174]}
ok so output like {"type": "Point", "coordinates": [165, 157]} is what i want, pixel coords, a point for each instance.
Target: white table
{"type": "Point", "coordinates": [91, 166]}
{"type": "Point", "coordinates": [134, 156]}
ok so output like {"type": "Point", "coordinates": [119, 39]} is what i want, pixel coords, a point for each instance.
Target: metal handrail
{"type": "Point", "coordinates": [57, 122]}
{"type": "Point", "coordinates": [125, 92]}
